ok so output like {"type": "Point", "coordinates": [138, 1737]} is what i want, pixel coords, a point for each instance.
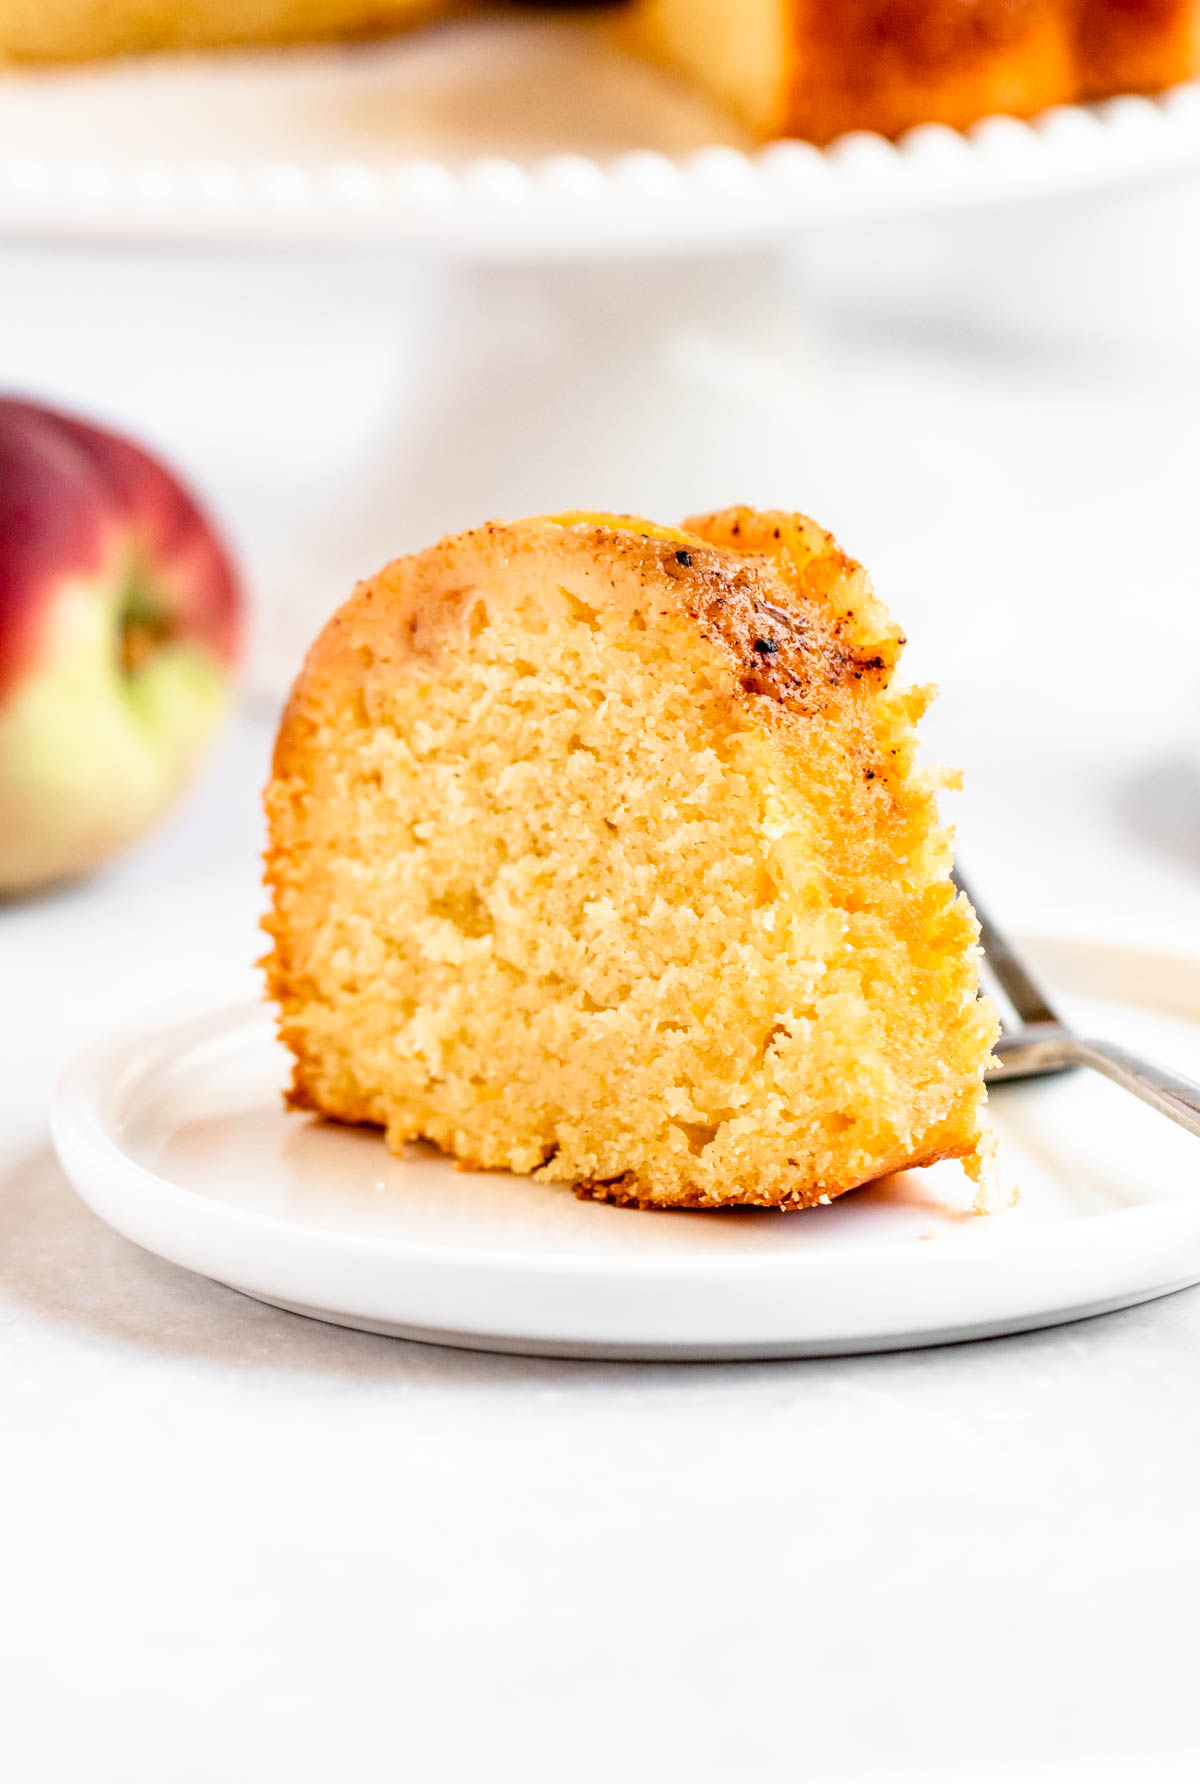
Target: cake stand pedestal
{"type": "Point", "coordinates": [635, 388]}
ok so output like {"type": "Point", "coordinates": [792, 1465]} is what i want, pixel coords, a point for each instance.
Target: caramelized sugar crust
{"type": "Point", "coordinates": [818, 68]}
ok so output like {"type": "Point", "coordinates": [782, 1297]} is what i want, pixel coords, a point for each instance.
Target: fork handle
{"type": "Point", "coordinates": [1177, 1098]}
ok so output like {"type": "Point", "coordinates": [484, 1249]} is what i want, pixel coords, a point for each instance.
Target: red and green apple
{"type": "Point", "coordinates": [120, 620]}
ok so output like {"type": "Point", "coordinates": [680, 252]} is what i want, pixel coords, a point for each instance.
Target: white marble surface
{"type": "Point", "coordinates": [236, 1544]}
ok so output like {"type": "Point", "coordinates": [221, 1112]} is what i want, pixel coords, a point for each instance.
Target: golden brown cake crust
{"type": "Point", "coordinates": [816, 69]}
{"type": "Point", "coordinates": [1136, 46]}
{"type": "Point", "coordinates": [829, 633]}
{"type": "Point", "coordinates": [886, 65]}
{"type": "Point", "coordinates": [786, 641]}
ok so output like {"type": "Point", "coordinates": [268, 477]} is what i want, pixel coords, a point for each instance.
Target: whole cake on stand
{"type": "Point", "coordinates": [808, 68]}
{"type": "Point", "coordinates": [606, 308]}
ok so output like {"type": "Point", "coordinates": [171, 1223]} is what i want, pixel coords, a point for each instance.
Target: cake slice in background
{"type": "Point", "coordinates": [598, 851]}
{"type": "Point", "coordinates": [805, 68]}
{"type": "Point", "coordinates": [1136, 46]}
{"type": "Point", "coordinates": [818, 68]}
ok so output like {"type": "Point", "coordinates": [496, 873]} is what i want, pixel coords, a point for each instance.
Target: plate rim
{"type": "Point", "coordinates": [87, 1139]}
{"type": "Point", "coordinates": [106, 1066]}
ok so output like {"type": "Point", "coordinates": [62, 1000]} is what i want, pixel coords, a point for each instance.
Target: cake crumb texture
{"type": "Point", "coordinates": [598, 851]}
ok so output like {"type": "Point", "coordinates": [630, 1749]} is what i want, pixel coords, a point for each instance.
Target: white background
{"type": "Point", "coordinates": [236, 1544]}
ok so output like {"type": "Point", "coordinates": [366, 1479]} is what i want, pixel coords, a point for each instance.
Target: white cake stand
{"type": "Point", "coordinates": [606, 320]}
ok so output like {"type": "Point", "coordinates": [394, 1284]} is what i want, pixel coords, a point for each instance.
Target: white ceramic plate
{"type": "Point", "coordinates": [178, 1140]}
{"type": "Point", "coordinates": [500, 138]}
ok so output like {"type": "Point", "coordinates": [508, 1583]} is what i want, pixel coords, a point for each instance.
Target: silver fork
{"type": "Point", "coordinates": [1042, 1044]}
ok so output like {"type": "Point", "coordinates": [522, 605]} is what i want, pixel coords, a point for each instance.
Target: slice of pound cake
{"type": "Point", "coordinates": [598, 851]}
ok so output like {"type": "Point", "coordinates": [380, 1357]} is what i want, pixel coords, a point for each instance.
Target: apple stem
{"type": "Point", "coordinates": [143, 622]}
